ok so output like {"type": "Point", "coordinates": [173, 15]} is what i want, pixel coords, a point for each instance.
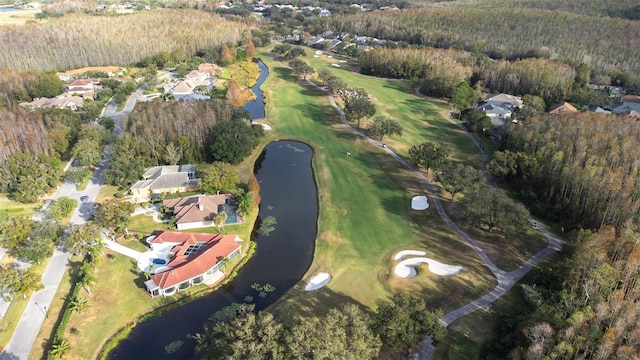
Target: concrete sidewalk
{"type": "Point", "coordinates": [121, 249]}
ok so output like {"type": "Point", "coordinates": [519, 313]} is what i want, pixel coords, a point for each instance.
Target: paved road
{"type": "Point", "coordinates": [506, 280]}
{"type": "Point", "coordinates": [34, 314]}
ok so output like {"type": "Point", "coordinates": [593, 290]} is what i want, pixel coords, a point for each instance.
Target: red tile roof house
{"type": "Point", "coordinates": [199, 210]}
{"type": "Point", "coordinates": [195, 258]}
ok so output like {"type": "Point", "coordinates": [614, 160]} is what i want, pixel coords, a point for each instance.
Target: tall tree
{"type": "Point", "coordinates": [114, 214]}
{"type": "Point", "coordinates": [232, 141]}
{"type": "Point", "coordinates": [459, 178]}
{"type": "Point", "coordinates": [250, 49]}
{"type": "Point", "coordinates": [238, 332]}
{"type": "Point", "coordinates": [220, 176]}
{"type": "Point", "coordinates": [14, 232]}
{"type": "Point", "coordinates": [429, 155]}
{"type": "Point", "coordinates": [404, 321]}
{"type": "Point", "coordinates": [495, 210]}
{"type": "Point", "coordinates": [226, 55]}
{"type": "Point", "coordinates": [357, 104]}
{"type": "Point", "coordinates": [301, 68]}
{"type": "Point", "coordinates": [383, 126]}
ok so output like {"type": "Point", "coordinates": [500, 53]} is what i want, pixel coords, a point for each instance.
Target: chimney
{"type": "Point", "coordinates": [201, 207]}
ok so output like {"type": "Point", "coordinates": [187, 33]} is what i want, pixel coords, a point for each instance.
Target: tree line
{"type": "Point", "coordinates": [78, 40]}
{"type": "Point", "coordinates": [582, 308]}
{"type": "Point", "coordinates": [439, 72]}
{"type": "Point", "coordinates": [162, 132]}
{"type": "Point", "coordinates": [605, 42]}
{"type": "Point", "coordinates": [578, 169]}
{"type": "Point", "coordinates": [345, 333]}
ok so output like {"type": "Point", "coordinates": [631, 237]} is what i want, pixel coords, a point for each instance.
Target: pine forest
{"type": "Point", "coordinates": [78, 40]}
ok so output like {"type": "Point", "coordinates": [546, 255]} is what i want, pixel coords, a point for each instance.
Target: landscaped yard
{"type": "Point", "coordinates": [9, 207]}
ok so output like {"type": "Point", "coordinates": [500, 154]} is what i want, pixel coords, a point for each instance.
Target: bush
{"type": "Point", "coordinates": [118, 195]}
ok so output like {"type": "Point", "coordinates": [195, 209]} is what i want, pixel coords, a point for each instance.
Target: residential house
{"type": "Point", "coordinates": [168, 179]}
{"type": "Point", "coordinates": [63, 101]}
{"type": "Point", "coordinates": [193, 258]}
{"type": "Point", "coordinates": [635, 99]}
{"type": "Point", "coordinates": [70, 75]}
{"type": "Point", "coordinates": [504, 101]}
{"type": "Point", "coordinates": [85, 87]}
{"type": "Point", "coordinates": [626, 108]}
{"type": "Point", "coordinates": [192, 87]}
{"type": "Point", "coordinates": [599, 110]}
{"type": "Point", "coordinates": [200, 210]}
{"type": "Point", "coordinates": [497, 114]}
{"type": "Point", "coordinates": [562, 108]}
{"type": "Point", "coordinates": [212, 69]}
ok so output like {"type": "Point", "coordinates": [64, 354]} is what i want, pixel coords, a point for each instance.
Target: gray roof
{"type": "Point", "coordinates": [624, 107]}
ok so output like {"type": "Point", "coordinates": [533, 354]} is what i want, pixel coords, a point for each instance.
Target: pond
{"type": "Point", "coordinates": [8, 9]}
{"type": "Point", "coordinates": [256, 107]}
{"type": "Point", "coordinates": [288, 192]}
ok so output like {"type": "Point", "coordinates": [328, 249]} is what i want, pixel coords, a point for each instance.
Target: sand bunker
{"type": "Point", "coordinates": [335, 65]}
{"type": "Point", "coordinates": [401, 254]}
{"type": "Point", "coordinates": [318, 281]}
{"type": "Point", "coordinates": [405, 269]}
{"type": "Point", "coordinates": [419, 203]}
{"type": "Point", "coordinates": [264, 126]}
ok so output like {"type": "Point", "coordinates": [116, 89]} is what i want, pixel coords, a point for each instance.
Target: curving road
{"type": "Point", "coordinates": [34, 314]}
{"type": "Point", "coordinates": [506, 280]}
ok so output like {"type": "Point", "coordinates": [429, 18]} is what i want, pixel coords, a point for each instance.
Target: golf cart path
{"type": "Point", "coordinates": [506, 280]}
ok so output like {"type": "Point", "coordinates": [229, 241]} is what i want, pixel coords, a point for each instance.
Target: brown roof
{"type": "Point", "coordinates": [210, 68]}
{"type": "Point", "coordinates": [196, 208]}
{"type": "Point", "coordinates": [562, 108]}
{"type": "Point", "coordinates": [630, 99]}
{"type": "Point", "coordinates": [84, 82]}
{"type": "Point", "coordinates": [186, 265]}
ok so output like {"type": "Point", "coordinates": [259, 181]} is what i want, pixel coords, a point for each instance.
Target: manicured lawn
{"type": "Point", "coordinates": [10, 207]}
{"type": "Point", "coordinates": [364, 199]}
{"type": "Point", "coordinates": [419, 117]}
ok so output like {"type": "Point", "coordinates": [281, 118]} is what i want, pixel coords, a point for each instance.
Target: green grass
{"type": "Point", "coordinates": [421, 119]}
{"type": "Point", "coordinates": [14, 208]}
{"type": "Point", "coordinates": [364, 199]}
{"type": "Point", "coordinates": [145, 224]}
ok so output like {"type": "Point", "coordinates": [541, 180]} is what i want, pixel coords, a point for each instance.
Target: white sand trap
{"type": "Point", "coordinates": [343, 61]}
{"type": "Point", "coordinates": [329, 56]}
{"type": "Point", "coordinates": [318, 281]}
{"type": "Point", "coordinates": [401, 254]}
{"type": "Point", "coordinates": [318, 52]}
{"type": "Point", "coordinates": [405, 269]}
{"type": "Point", "coordinates": [335, 65]}
{"type": "Point", "coordinates": [264, 126]}
{"type": "Point", "coordinates": [316, 55]}
{"type": "Point", "coordinates": [419, 203]}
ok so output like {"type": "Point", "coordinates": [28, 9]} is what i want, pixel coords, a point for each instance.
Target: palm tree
{"type": "Point", "coordinates": [86, 276]}
{"type": "Point", "coordinates": [59, 348]}
{"type": "Point", "coordinates": [78, 305]}
{"type": "Point", "coordinates": [220, 219]}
